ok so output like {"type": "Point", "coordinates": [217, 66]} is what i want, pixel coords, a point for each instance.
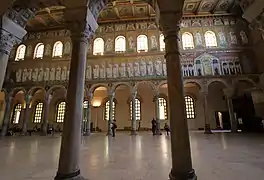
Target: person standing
{"type": "Point", "coordinates": [167, 128]}
{"type": "Point", "coordinates": [154, 126]}
{"type": "Point", "coordinates": [113, 128]}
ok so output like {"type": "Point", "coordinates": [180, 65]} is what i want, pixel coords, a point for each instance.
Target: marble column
{"type": "Point", "coordinates": [233, 122]}
{"type": "Point", "coordinates": [45, 117]}
{"type": "Point", "coordinates": [27, 115]}
{"type": "Point", "coordinates": [207, 127]}
{"type": "Point", "coordinates": [71, 136]}
{"type": "Point", "coordinates": [156, 99]}
{"type": "Point", "coordinates": [7, 115]}
{"type": "Point", "coordinates": [111, 102]}
{"type": "Point", "coordinates": [88, 116]}
{"type": "Point", "coordinates": [180, 145]}
{"type": "Point", "coordinates": [134, 117]}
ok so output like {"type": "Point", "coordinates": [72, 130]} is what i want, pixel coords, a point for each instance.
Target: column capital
{"type": "Point", "coordinates": [229, 92]}
{"type": "Point", "coordinates": [90, 96]}
{"type": "Point", "coordinates": [48, 98]}
{"type": "Point", "coordinates": [111, 94]}
{"type": "Point", "coordinates": [134, 94]}
{"type": "Point", "coordinates": [170, 22]}
{"type": "Point", "coordinates": [9, 98]}
{"type": "Point", "coordinates": [7, 41]}
{"type": "Point", "coordinates": [81, 23]}
{"type": "Point", "coordinates": [28, 98]}
{"type": "Point", "coordinates": [156, 97]}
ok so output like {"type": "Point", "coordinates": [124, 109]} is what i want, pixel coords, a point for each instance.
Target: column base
{"type": "Point", "coordinates": [207, 129]}
{"type": "Point", "coordinates": [109, 134]}
{"type": "Point", "coordinates": [71, 176]}
{"type": "Point", "coordinates": [189, 176]}
{"type": "Point", "coordinates": [133, 133]}
{"type": "Point", "coordinates": [159, 133]}
{"type": "Point", "coordinates": [233, 130]}
{"type": "Point", "coordinates": [87, 134]}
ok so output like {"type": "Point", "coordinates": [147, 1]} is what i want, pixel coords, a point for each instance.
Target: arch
{"type": "Point", "coordinates": [116, 85]}
{"type": "Point", "coordinates": [95, 86]}
{"type": "Point", "coordinates": [56, 87]}
{"type": "Point", "coordinates": [21, 52]}
{"type": "Point", "coordinates": [120, 44]}
{"type": "Point", "coordinates": [162, 43]}
{"type": "Point", "coordinates": [142, 43]}
{"type": "Point", "coordinates": [187, 41]}
{"type": "Point", "coordinates": [224, 82]}
{"type": "Point", "coordinates": [16, 90]}
{"type": "Point", "coordinates": [161, 84]}
{"type": "Point", "coordinates": [210, 39]}
{"type": "Point", "coordinates": [245, 79]}
{"type": "Point", "coordinates": [57, 49]}
{"type": "Point", "coordinates": [34, 89]}
{"type": "Point", "coordinates": [190, 81]}
{"type": "Point", "coordinates": [98, 46]}
{"type": "Point", "coordinates": [153, 86]}
{"type": "Point", "coordinates": [39, 51]}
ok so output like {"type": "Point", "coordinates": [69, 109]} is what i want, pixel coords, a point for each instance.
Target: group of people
{"type": "Point", "coordinates": [154, 128]}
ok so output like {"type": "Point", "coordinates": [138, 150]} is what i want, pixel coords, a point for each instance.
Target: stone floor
{"type": "Point", "coordinates": [215, 157]}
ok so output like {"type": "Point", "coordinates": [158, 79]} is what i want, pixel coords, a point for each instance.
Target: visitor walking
{"type": "Point", "coordinates": [113, 128]}
{"type": "Point", "coordinates": [154, 126]}
{"type": "Point", "coordinates": [167, 129]}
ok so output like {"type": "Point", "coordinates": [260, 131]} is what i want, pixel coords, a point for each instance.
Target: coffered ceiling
{"type": "Point", "coordinates": [123, 10]}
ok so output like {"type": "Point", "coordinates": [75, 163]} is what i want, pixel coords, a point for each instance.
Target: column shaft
{"type": "Point", "coordinates": [27, 115]}
{"type": "Point", "coordinates": [6, 116]}
{"type": "Point", "coordinates": [111, 102]}
{"type": "Point", "coordinates": [207, 128]}
{"type": "Point", "coordinates": [134, 117]}
{"type": "Point", "coordinates": [45, 117]}
{"type": "Point", "coordinates": [71, 135]}
{"type": "Point", "coordinates": [233, 120]}
{"type": "Point", "coordinates": [157, 115]}
{"type": "Point", "coordinates": [89, 118]}
{"type": "Point", "coordinates": [180, 145]}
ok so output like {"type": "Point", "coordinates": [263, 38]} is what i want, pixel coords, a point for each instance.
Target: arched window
{"type": "Point", "coordinates": [16, 113]}
{"type": "Point", "coordinates": [162, 43]}
{"type": "Point", "coordinates": [120, 44]}
{"type": "Point", "coordinates": [187, 41]}
{"type": "Point", "coordinates": [20, 53]}
{"type": "Point", "coordinates": [190, 111]}
{"type": "Point", "coordinates": [57, 49]}
{"type": "Point", "coordinates": [142, 43]}
{"type": "Point", "coordinates": [39, 51]}
{"type": "Point", "coordinates": [60, 112]}
{"type": "Point", "coordinates": [138, 111]}
{"type": "Point", "coordinates": [163, 109]}
{"type": "Point", "coordinates": [98, 48]}
{"type": "Point", "coordinates": [38, 113]}
{"type": "Point", "coordinates": [210, 39]}
{"type": "Point", "coordinates": [107, 110]}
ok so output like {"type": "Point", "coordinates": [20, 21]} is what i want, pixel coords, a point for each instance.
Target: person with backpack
{"type": "Point", "coordinates": [113, 128]}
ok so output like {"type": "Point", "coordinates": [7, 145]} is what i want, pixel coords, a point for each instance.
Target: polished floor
{"type": "Point", "coordinates": [144, 157]}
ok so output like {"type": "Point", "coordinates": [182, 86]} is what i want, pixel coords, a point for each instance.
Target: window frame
{"type": "Point", "coordinates": [209, 41]}
{"type": "Point", "coordinates": [162, 43]}
{"type": "Point", "coordinates": [17, 107]}
{"type": "Point", "coordinates": [96, 49]}
{"type": "Point", "coordinates": [20, 57]}
{"type": "Point", "coordinates": [57, 52]}
{"type": "Point", "coordinates": [107, 110]}
{"type": "Point", "coordinates": [189, 107]}
{"type": "Point", "coordinates": [138, 102]}
{"type": "Point", "coordinates": [119, 49]}
{"type": "Point", "coordinates": [37, 54]}
{"type": "Point", "coordinates": [38, 113]}
{"type": "Point", "coordinates": [187, 41]}
{"type": "Point", "coordinates": [60, 112]}
{"type": "Point", "coordinates": [141, 45]}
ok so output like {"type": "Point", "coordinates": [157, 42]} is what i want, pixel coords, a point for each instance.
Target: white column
{"type": "Point", "coordinates": [111, 102]}
{"type": "Point", "coordinates": [156, 99]}
{"type": "Point", "coordinates": [134, 119]}
{"type": "Point", "coordinates": [81, 24]}
{"type": "Point", "coordinates": [7, 115]}
{"type": "Point", "coordinates": [180, 145]}
{"type": "Point", "coordinates": [27, 114]}
{"type": "Point", "coordinates": [45, 117]}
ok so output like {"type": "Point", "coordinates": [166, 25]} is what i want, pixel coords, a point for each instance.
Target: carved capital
{"type": "Point", "coordinates": [28, 98]}
{"type": "Point", "coordinates": [81, 23]}
{"type": "Point", "coordinates": [170, 23]}
{"type": "Point", "coordinates": [7, 41]}
{"type": "Point", "coordinates": [229, 92]}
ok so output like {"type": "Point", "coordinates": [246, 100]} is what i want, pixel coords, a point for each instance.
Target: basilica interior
{"type": "Point", "coordinates": [130, 66]}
